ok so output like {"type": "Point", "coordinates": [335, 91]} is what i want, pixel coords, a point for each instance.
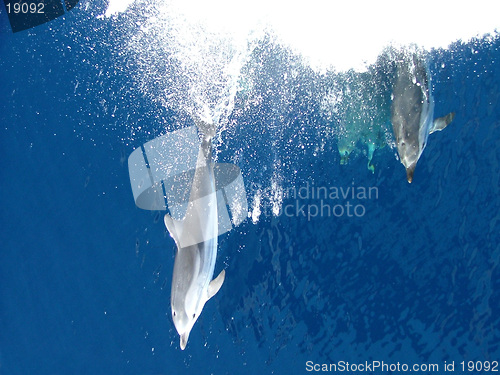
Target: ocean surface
{"type": "Point", "coordinates": [340, 259]}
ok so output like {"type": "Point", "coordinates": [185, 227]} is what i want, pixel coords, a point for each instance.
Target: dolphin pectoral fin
{"type": "Point", "coordinates": [173, 227]}
{"type": "Point", "coordinates": [442, 122]}
{"type": "Point", "coordinates": [215, 284]}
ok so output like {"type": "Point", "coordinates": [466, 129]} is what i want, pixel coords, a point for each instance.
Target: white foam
{"type": "Point", "coordinates": [117, 6]}
{"type": "Point", "coordinates": [344, 34]}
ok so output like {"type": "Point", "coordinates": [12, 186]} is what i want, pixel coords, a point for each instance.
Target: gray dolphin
{"type": "Point", "coordinates": [196, 239]}
{"type": "Point", "coordinates": [412, 111]}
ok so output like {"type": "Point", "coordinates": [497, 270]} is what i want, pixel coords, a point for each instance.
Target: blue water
{"type": "Point", "coordinates": [85, 275]}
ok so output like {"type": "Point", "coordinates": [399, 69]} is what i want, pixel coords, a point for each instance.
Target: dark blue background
{"type": "Point", "coordinates": [85, 275]}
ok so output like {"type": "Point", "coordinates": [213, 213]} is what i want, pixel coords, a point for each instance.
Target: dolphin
{"type": "Point", "coordinates": [196, 239]}
{"type": "Point", "coordinates": [412, 111]}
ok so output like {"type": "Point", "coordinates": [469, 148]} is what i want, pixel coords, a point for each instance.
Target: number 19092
{"type": "Point", "coordinates": [478, 366]}
{"type": "Point", "coordinates": [25, 8]}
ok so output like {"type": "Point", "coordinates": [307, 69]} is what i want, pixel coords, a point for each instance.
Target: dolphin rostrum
{"type": "Point", "coordinates": [412, 111]}
{"type": "Point", "coordinates": [196, 239]}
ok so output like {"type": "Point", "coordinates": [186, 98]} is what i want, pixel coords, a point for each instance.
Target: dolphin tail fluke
{"type": "Point", "coordinates": [442, 122]}
{"type": "Point", "coordinates": [216, 284]}
{"type": "Point", "coordinates": [208, 130]}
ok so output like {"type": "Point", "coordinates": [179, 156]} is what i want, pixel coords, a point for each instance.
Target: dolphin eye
{"type": "Point", "coordinates": [174, 313]}
{"type": "Point", "coordinates": [194, 315]}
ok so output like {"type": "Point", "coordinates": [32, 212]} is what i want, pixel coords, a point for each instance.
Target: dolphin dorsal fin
{"type": "Point", "coordinates": [215, 284]}
{"type": "Point", "coordinates": [174, 227]}
{"type": "Point", "coordinates": [442, 122]}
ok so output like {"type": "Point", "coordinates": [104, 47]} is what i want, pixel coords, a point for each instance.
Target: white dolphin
{"type": "Point", "coordinates": [196, 239]}
{"type": "Point", "coordinates": [412, 111]}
